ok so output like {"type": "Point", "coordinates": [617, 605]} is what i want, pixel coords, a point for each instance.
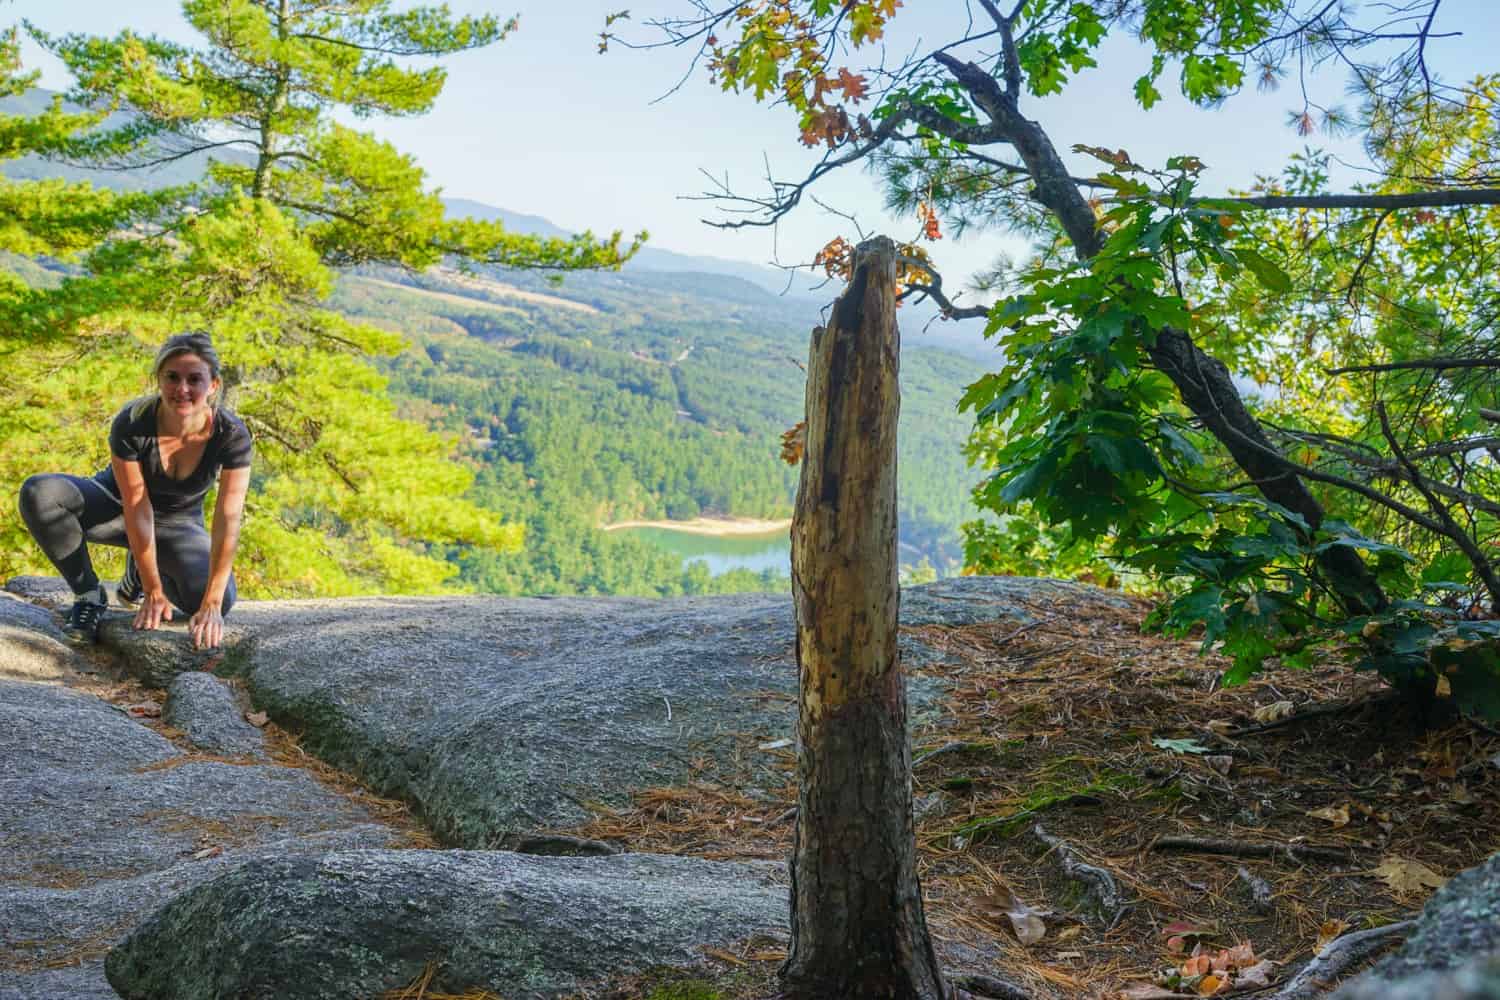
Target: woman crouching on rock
{"type": "Point", "coordinates": [167, 448]}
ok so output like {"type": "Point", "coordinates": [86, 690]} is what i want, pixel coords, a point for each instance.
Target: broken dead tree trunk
{"type": "Point", "coordinates": [858, 928]}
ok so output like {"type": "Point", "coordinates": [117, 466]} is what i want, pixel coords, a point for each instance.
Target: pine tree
{"type": "Point", "coordinates": [347, 495]}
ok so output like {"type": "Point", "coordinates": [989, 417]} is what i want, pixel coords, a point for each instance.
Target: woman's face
{"type": "Point", "coordinates": [186, 383]}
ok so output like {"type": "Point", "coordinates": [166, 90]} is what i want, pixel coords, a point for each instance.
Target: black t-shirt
{"type": "Point", "coordinates": [135, 441]}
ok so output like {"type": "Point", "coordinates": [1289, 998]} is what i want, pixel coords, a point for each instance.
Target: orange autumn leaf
{"type": "Point", "coordinates": [1328, 931]}
{"type": "Point", "coordinates": [830, 125]}
{"type": "Point", "coordinates": [929, 219]}
{"type": "Point", "coordinates": [853, 85]}
{"type": "Point", "coordinates": [794, 443]}
{"type": "Point", "coordinates": [822, 84]}
{"type": "Point", "coordinates": [835, 258]}
{"type": "Point", "coordinates": [1198, 965]}
{"type": "Point", "coordinates": [1240, 956]}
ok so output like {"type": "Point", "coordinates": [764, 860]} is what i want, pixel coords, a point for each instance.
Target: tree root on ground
{"type": "Point", "coordinates": [1316, 712]}
{"type": "Point", "coordinates": [1338, 957]}
{"type": "Point", "coordinates": [1248, 849]}
{"type": "Point", "coordinates": [1098, 884]}
{"type": "Point", "coordinates": [977, 984]}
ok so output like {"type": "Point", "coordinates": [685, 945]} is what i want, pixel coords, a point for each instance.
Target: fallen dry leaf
{"type": "Point", "coordinates": [1405, 876]}
{"type": "Point", "coordinates": [1220, 762]}
{"type": "Point", "coordinates": [1336, 815]}
{"type": "Point", "coordinates": [1239, 956]}
{"type": "Point", "coordinates": [1329, 931]}
{"type": "Point", "coordinates": [1370, 813]}
{"type": "Point", "coordinates": [1025, 921]}
{"type": "Point", "coordinates": [1148, 993]}
{"type": "Point", "coordinates": [257, 719]}
{"type": "Point", "coordinates": [1258, 976]}
{"type": "Point", "coordinates": [1180, 934]}
{"type": "Point", "coordinates": [1274, 712]}
{"type": "Point", "coordinates": [1029, 927]}
{"type": "Point", "coordinates": [144, 710]}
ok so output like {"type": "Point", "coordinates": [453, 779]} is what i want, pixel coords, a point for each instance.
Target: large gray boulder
{"type": "Point", "coordinates": [102, 819]}
{"type": "Point", "coordinates": [206, 711]}
{"type": "Point", "coordinates": [32, 646]}
{"type": "Point", "coordinates": [1454, 951]}
{"type": "Point", "coordinates": [1478, 979]}
{"type": "Point", "coordinates": [497, 717]}
{"type": "Point", "coordinates": [359, 923]}
{"type": "Point", "coordinates": [43, 591]}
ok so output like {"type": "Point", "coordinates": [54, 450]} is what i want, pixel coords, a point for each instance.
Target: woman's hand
{"type": "Point", "coordinates": [206, 627]}
{"type": "Point", "coordinates": [154, 609]}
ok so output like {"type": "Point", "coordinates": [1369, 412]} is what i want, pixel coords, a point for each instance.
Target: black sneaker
{"type": "Point", "coordinates": [129, 590]}
{"type": "Point", "coordinates": [82, 623]}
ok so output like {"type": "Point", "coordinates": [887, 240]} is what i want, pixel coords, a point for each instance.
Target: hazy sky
{"type": "Point", "coordinates": [544, 125]}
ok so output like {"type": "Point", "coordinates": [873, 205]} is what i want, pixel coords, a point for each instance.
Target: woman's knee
{"type": "Point", "coordinates": [44, 494]}
{"type": "Point", "coordinates": [187, 594]}
{"type": "Point", "coordinates": [33, 493]}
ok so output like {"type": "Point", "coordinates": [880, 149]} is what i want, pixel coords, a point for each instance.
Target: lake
{"type": "Point", "coordinates": [723, 553]}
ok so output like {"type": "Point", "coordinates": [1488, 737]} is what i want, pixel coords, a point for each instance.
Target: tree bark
{"type": "Point", "coordinates": [858, 928]}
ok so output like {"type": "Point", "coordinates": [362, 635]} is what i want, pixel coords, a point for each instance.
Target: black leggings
{"type": "Point", "coordinates": [65, 513]}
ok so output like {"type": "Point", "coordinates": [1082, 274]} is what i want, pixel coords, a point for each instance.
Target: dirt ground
{"type": "Point", "coordinates": [1120, 745]}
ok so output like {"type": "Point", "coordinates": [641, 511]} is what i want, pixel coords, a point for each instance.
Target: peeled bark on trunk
{"type": "Point", "coordinates": [858, 928]}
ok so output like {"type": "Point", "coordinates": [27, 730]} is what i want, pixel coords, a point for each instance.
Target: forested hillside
{"type": "Point", "coordinates": [642, 395]}
{"type": "Point", "coordinates": [648, 393]}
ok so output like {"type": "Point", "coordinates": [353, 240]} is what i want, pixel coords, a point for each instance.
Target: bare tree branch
{"type": "Point", "coordinates": [1364, 260]}
{"type": "Point", "coordinates": [1449, 198]}
{"type": "Point", "coordinates": [1434, 364]}
{"type": "Point", "coordinates": [933, 289]}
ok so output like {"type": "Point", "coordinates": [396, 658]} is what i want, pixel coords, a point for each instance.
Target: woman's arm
{"type": "Point", "coordinates": [207, 624]}
{"type": "Point", "coordinates": [140, 530]}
